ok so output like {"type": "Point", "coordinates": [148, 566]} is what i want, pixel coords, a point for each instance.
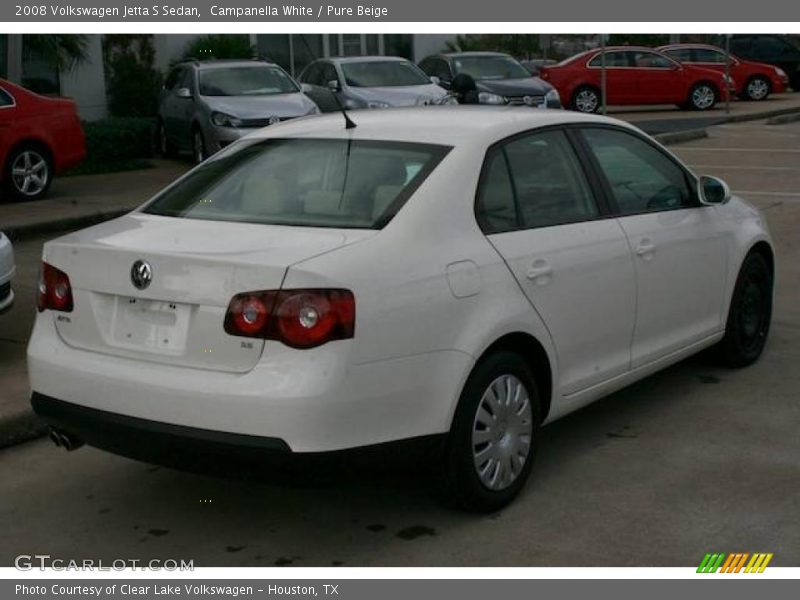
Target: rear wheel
{"type": "Point", "coordinates": [494, 436]}
{"type": "Point", "coordinates": [749, 314]}
{"type": "Point", "coordinates": [28, 172]}
{"type": "Point", "coordinates": [757, 89]}
{"type": "Point", "coordinates": [702, 97]}
{"type": "Point", "coordinates": [586, 99]}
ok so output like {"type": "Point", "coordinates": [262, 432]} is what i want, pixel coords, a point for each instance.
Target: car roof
{"type": "Point", "coordinates": [358, 59]}
{"type": "Point", "coordinates": [227, 62]}
{"type": "Point", "coordinates": [443, 125]}
{"type": "Point", "coordinates": [474, 53]}
{"type": "Point", "coordinates": [689, 45]}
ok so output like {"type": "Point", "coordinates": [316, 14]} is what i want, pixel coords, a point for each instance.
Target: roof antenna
{"type": "Point", "coordinates": [348, 122]}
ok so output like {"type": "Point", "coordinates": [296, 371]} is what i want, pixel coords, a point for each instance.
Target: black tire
{"type": "Point", "coordinates": [32, 155]}
{"type": "Point", "coordinates": [165, 148]}
{"type": "Point", "coordinates": [757, 88]}
{"type": "Point", "coordinates": [749, 315]}
{"type": "Point", "coordinates": [703, 96]}
{"type": "Point", "coordinates": [461, 483]}
{"type": "Point", "coordinates": [199, 148]}
{"type": "Point", "coordinates": [586, 99]}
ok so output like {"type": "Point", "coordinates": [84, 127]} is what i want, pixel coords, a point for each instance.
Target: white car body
{"type": "Point", "coordinates": [7, 270]}
{"type": "Point", "coordinates": [606, 301]}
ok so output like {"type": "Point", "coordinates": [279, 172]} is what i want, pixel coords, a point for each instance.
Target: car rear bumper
{"type": "Point", "coordinates": [314, 400]}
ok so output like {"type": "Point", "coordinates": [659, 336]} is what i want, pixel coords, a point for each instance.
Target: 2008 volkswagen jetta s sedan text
{"type": "Point", "coordinates": [456, 274]}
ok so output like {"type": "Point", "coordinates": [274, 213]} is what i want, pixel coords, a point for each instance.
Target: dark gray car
{"type": "Point", "coordinates": [206, 105]}
{"type": "Point", "coordinates": [370, 82]}
{"type": "Point", "coordinates": [489, 78]}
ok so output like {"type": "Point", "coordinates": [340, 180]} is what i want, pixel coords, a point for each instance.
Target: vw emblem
{"type": "Point", "coordinates": [273, 119]}
{"type": "Point", "coordinates": [141, 274]}
{"type": "Point", "coordinates": [528, 100]}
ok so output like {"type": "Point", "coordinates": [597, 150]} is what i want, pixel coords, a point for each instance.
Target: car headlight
{"type": "Point", "coordinates": [490, 98]}
{"type": "Point", "coordinates": [221, 119]}
{"type": "Point", "coordinates": [377, 104]}
{"type": "Point", "coordinates": [780, 72]}
{"type": "Point", "coordinates": [552, 97]}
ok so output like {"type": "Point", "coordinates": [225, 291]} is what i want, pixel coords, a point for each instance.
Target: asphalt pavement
{"type": "Point", "coordinates": [692, 460]}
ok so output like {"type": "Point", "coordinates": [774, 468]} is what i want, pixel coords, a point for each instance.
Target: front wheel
{"type": "Point", "coordinates": [702, 97]}
{"type": "Point", "coordinates": [749, 314]}
{"type": "Point", "coordinates": [198, 146]}
{"type": "Point", "coordinates": [494, 436]}
{"type": "Point", "coordinates": [757, 89]}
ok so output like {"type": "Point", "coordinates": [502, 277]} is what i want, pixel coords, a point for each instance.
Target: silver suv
{"type": "Point", "coordinates": [206, 105]}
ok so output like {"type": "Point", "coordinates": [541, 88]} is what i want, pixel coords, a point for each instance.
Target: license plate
{"type": "Point", "coordinates": [151, 324]}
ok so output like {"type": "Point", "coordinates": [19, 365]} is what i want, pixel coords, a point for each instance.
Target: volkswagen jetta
{"type": "Point", "coordinates": [314, 288]}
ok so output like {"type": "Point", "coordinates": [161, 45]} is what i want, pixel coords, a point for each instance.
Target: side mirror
{"type": "Point", "coordinates": [435, 80]}
{"type": "Point", "coordinates": [184, 93]}
{"type": "Point", "coordinates": [306, 88]}
{"type": "Point", "coordinates": [333, 85]}
{"type": "Point", "coordinates": [712, 190]}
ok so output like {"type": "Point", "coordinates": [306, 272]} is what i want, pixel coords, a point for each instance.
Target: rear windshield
{"type": "Point", "coordinates": [245, 81]}
{"type": "Point", "coordinates": [311, 182]}
{"type": "Point", "coordinates": [383, 74]}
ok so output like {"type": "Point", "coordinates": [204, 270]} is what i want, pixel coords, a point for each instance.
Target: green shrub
{"type": "Point", "coordinates": [117, 144]}
{"type": "Point", "coordinates": [132, 80]}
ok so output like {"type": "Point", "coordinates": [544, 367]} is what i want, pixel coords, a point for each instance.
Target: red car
{"type": "Point", "coordinates": [39, 137]}
{"type": "Point", "coordinates": [634, 76]}
{"type": "Point", "coordinates": [755, 81]}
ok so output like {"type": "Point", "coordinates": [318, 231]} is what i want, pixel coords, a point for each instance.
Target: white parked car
{"type": "Point", "coordinates": [460, 275]}
{"type": "Point", "coordinates": [7, 270]}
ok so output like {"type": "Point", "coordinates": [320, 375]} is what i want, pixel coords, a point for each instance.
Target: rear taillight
{"type": "Point", "coordinates": [55, 291]}
{"type": "Point", "coordinates": [298, 318]}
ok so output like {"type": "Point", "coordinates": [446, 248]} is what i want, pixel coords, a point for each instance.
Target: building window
{"type": "Point", "coordinates": [351, 44]}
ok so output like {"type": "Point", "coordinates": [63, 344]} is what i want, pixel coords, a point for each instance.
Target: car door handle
{"type": "Point", "coordinates": [645, 248]}
{"type": "Point", "coordinates": [539, 270]}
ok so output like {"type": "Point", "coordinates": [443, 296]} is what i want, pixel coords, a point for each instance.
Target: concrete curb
{"type": "Point", "coordinates": [781, 119]}
{"type": "Point", "coordinates": [20, 427]}
{"type": "Point", "coordinates": [679, 137]}
{"type": "Point", "coordinates": [22, 232]}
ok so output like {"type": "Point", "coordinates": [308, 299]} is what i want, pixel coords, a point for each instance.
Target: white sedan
{"type": "Point", "coordinates": [7, 270]}
{"type": "Point", "coordinates": [459, 276]}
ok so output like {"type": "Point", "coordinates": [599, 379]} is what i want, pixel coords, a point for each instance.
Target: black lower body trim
{"type": "Point", "coordinates": [209, 451]}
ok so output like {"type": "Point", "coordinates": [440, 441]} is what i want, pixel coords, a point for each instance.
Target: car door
{"type": "Point", "coordinates": [659, 80]}
{"type": "Point", "coordinates": [678, 245]}
{"type": "Point", "coordinates": [620, 81]}
{"type": "Point", "coordinates": [538, 210]}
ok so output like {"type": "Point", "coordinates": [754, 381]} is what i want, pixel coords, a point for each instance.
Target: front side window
{"type": "Point", "coordinates": [679, 54]}
{"type": "Point", "coordinates": [641, 177]}
{"type": "Point", "coordinates": [650, 60]}
{"type": "Point", "coordinates": [309, 182]}
{"type": "Point", "coordinates": [613, 59]}
{"type": "Point", "coordinates": [388, 73]}
{"type": "Point", "coordinates": [246, 81]}
{"type": "Point", "coordinates": [533, 181]}
{"type": "Point", "coordinates": [706, 55]}
{"type": "Point", "coordinates": [490, 67]}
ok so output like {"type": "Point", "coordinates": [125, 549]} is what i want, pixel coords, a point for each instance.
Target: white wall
{"type": "Point", "coordinates": [86, 83]}
{"type": "Point", "coordinates": [425, 44]}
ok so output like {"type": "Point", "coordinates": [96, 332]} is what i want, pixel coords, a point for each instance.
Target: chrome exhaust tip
{"type": "Point", "coordinates": [65, 440]}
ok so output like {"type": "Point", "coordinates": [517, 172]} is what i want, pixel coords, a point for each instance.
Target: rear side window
{"type": "Point", "coordinates": [5, 98]}
{"type": "Point", "coordinates": [613, 59]}
{"type": "Point", "coordinates": [310, 182]}
{"type": "Point", "coordinates": [679, 54]}
{"type": "Point", "coordinates": [642, 178]}
{"type": "Point", "coordinates": [706, 55]}
{"type": "Point", "coordinates": [533, 181]}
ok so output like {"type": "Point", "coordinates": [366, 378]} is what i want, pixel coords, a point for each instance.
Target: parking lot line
{"type": "Point", "coordinates": [743, 167]}
{"type": "Point", "coordinates": [717, 149]}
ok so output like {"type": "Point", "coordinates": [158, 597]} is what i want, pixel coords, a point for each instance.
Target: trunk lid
{"type": "Point", "coordinates": [197, 267]}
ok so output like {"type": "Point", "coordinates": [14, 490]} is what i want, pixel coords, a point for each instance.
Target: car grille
{"type": "Point", "coordinates": [525, 100]}
{"type": "Point", "coordinates": [5, 290]}
{"type": "Point", "coordinates": [253, 123]}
